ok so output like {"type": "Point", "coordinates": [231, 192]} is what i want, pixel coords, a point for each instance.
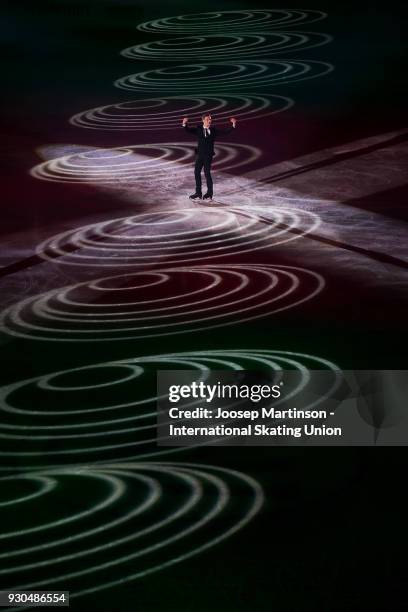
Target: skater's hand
{"type": "Point", "coordinates": [233, 121]}
{"type": "Point", "coordinates": [185, 121]}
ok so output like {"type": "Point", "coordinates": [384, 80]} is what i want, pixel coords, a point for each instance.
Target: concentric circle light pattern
{"type": "Point", "coordinates": [95, 510]}
{"type": "Point", "coordinates": [122, 166]}
{"type": "Point", "coordinates": [162, 302]}
{"type": "Point", "coordinates": [107, 411]}
{"type": "Point", "coordinates": [219, 77]}
{"type": "Point", "coordinates": [182, 236]}
{"type": "Point", "coordinates": [89, 529]}
{"type": "Point", "coordinates": [166, 113]}
{"type": "Point", "coordinates": [231, 21]}
{"type": "Point", "coordinates": [225, 46]}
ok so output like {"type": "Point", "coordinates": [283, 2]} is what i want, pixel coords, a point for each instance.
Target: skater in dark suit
{"type": "Point", "coordinates": [206, 135]}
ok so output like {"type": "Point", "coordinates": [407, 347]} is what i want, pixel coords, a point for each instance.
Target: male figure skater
{"type": "Point", "coordinates": [206, 135]}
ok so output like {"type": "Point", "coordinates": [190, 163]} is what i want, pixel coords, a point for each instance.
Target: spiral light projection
{"type": "Point", "coordinates": [139, 164]}
{"type": "Point", "coordinates": [164, 113]}
{"type": "Point", "coordinates": [225, 46]}
{"type": "Point", "coordinates": [235, 21]}
{"type": "Point", "coordinates": [106, 412]}
{"type": "Point", "coordinates": [223, 76]}
{"type": "Point", "coordinates": [162, 302]}
{"type": "Point", "coordinates": [177, 236]}
{"type": "Point", "coordinates": [129, 519]}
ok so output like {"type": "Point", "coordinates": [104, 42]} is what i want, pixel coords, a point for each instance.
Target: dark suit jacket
{"type": "Point", "coordinates": [205, 146]}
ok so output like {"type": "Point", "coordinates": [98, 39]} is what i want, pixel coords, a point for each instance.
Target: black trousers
{"type": "Point", "coordinates": [206, 161]}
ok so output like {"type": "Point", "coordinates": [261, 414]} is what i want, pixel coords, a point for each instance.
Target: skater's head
{"type": "Point", "coordinates": [206, 120]}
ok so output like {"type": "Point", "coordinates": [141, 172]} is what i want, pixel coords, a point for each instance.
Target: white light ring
{"type": "Point", "coordinates": [11, 317]}
{"type": "Point", "coordinates": [218, 507]}
{"type": "Point", "coordinates": [50, 247]}
{"type": "Point", "coordinates": [56, 170]}
{"type": "Point", "coordinates": [291, 71]}
{"type": "Point", "coordinates": [240, 46]}
{"type": "Point", "coordinates": [102, 118]}
{"type": "Point", "coordinates": [184, 24]}
{"type": "Point", "coordinates": [42, 309]}
{"type": "Point", "coordinates": [43, 383]}
{"type": "Point", "coordinates": [213, 358]}
{"type": "Point", "coordinates": [153, 496]}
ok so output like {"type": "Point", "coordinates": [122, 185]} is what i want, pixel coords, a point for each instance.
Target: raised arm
{"type": "Point", "coordinates": [188, 129]}
{"type": "Point", "coordinates": [229, 129]}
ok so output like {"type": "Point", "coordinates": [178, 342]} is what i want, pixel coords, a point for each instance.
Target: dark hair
{"type": "Point", "coordinates": [206, 115]}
